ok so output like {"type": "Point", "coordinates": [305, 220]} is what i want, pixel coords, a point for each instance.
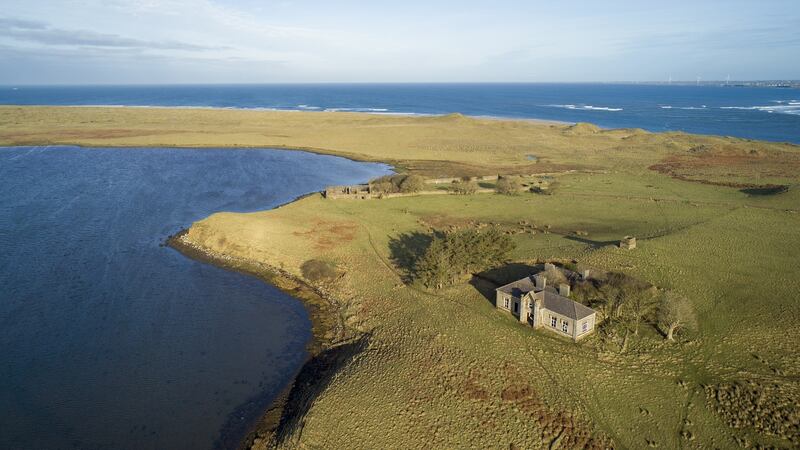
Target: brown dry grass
{"type": "Point", "coordinates": [451, 145]}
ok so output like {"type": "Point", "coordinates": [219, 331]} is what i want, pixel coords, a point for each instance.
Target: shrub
{"type": "Point", "coordinates": [391, 184]}
{"type": "Point", "coordinates": [383, 187]}
{"type": "Point", "coordinates": [458, 253]}
{"type": "Point", "coordinates": [318, 271]}
{"type": "Point", "coordinates": [464, 188]}
{"type": "Point", "coordinates": [412, 183]}
{"type": "Point", "coordinates": [508, 186]}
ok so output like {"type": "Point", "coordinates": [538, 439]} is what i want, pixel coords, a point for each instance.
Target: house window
{"type": "Point", "coordinates": [553, 321]}
{"type": "Point", "coordinates": [585, 327]}
{"type": "Point", "coordinates": [564, 326]}
{"type": "Point", "coordinates": [505, 303]}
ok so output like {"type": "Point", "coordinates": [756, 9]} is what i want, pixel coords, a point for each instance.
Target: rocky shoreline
{"type": "Point", "coordinates": [332, 345]}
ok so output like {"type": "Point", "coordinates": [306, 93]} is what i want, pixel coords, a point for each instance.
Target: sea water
{"type": "Point", "coordinates": [749, 112]}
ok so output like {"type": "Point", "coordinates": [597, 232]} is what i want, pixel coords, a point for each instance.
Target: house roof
{"type": "Point", "coordinates": [552, 300]}
{"type": "Point", "coordinates": [566, 307]}
{"type": "Point", "coordinates": [519, 288]}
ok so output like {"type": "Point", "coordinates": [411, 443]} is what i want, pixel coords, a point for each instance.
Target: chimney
{"type": "Point", "coordinates": [585, 275]}
{"type": "Point", "coordinates": [563, 290]}
{"type": "Point", "coordinates": [541, 281]}
{"type": "Point", "coordinates": [548, 266]}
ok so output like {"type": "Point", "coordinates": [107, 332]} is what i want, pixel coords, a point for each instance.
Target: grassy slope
{"type": "Point", "coordinates": [431, 353]}
{"type": "Point", "coordinates": [445, 369]}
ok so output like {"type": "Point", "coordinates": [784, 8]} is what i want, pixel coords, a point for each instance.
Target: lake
{"type": "Point", "coordinates": [109, 340]}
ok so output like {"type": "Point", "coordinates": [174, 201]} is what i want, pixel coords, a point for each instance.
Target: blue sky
{"type": "Point", "coordinates": [249, 41]}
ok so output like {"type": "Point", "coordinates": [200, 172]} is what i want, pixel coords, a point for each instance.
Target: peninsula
{"type": "Point", "coordinates": [716, 223]}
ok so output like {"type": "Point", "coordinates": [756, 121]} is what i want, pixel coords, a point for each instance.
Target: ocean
{"type": "Point", "coordinates": [771, 114]}
{"type": "Point", "coordinates": [109, 340]}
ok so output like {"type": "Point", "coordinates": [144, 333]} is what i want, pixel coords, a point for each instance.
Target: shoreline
{"type": "Point", "coordinates": [328, 331]}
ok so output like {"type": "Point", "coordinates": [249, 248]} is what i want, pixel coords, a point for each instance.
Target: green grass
{"type": "Point", "coordinates": [440, 362]}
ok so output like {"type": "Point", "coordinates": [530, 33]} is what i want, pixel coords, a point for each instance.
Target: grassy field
{"type": "Point", "coordinates": [444, 369]}
{"type": "Point", "coordinates": [444, 366]}
{"type": "Point", "coordinates": [451, 145]}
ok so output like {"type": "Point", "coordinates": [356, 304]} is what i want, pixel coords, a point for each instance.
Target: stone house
{"type": "Point", "coordinates": [356, 191]}
{"type": "Point", "coordinates": [542, 306]}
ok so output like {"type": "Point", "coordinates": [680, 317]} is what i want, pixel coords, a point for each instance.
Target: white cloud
{"type": "Point", "coordinates": [413, 40]}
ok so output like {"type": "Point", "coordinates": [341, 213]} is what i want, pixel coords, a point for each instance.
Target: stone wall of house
{"type": "Point", "coordinates": [591, 322]}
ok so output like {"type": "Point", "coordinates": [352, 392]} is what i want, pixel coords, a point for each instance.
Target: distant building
{"type": "Point", "coordinates": [628, 243]}
{"type": "Point", "coordinates": [542, 306]}
{"type": "Point", "coordinates": [361, 191]}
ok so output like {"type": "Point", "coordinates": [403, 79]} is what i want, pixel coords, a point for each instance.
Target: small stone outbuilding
{"type": "Point", "coordinates": [541, 306]}
{"type": "Point", "coordinates": [628, 243]}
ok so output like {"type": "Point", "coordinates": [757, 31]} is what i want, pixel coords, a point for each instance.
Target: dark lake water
{"type": "Point", "coordinates": [107, 339]}
{"type": "Point", "coordinates": [748, 112]}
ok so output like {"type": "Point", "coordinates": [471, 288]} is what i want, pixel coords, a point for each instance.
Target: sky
{"type": "Point", "coordinates": [286, 41]}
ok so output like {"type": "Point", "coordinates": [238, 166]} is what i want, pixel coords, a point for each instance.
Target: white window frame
{"type": "Point", "coordinates": [553, 321]}
{"type": "Point", "coordinates": [585, 327]}
{"type": "Point", "coordinates": [564, 326]}
{"type": "Point", "coordinates": [506, 303]}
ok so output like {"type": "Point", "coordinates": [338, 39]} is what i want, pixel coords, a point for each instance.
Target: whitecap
{"type": "Point", "coordinates": [601, 108]}
{"type": "Point", "coordinates": [356, 109]}
{"type": "Point", "coordinates": [585, 107]}
{"type": "Point", "coordinates": [791, 108]}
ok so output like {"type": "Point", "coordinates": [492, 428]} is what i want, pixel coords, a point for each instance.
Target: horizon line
{"type": "Point", "coordinates": [300, 83]}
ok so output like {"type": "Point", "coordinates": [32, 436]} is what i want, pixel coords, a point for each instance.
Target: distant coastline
{"type": "Point", "coordinates": [762, 112]}
{"type": "Point", "coordinates": [331, 110]}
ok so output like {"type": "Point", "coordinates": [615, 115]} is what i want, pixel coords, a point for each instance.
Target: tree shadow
{"type": "Point", "coordinates": [406, 249]}
{"type": "Point", "coordinates": [487, 281]}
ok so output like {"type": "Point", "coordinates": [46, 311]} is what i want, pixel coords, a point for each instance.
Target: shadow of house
{"type": "Point", "coordinates": [312, 380]}
{"type": "Point", "coordinates": [770, 189]}
{"type": "Point", "coordinates": [406, 249]}
{"type": "Point", "coordinates": [591, 243]}
{"type": "Point", "coordinates": [487, 281]}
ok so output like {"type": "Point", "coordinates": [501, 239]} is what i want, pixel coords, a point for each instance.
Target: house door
{"type": "Point", "coordinates": [516, 307]}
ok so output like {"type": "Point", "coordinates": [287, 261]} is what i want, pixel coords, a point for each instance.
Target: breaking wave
{"type": "Point", "coordinates": [791, 107]}
{"type": "Point", "coordinates": [356, 110]}
{"type": "Point", "coordinates": [585, 107]}
{"type": "Point", "coordinates": [688, 108]}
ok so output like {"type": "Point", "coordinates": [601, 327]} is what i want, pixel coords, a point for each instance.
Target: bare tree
{"type": "Point", "coordinates": [635, 305]}
{"type": "Point", "coordinates": [641, 304]}
{"type": "Point", "coordinates": [555, 276]}
{"type": "Point", "coordinates": [675, 313]}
